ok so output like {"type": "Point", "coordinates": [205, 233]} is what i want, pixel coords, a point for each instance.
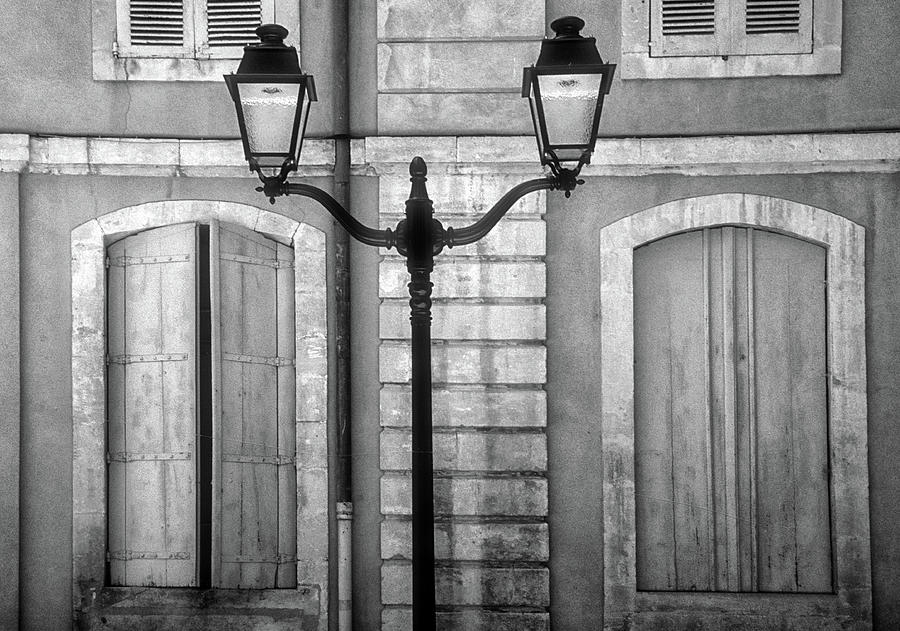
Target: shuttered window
{"type": "Point", "coordinates": [731, 416]}
{"type": "Point", "coordinates": [730, 27]}
{"type": "Point", "coordinates": [190, 28]}
{"type": "Point", "coordinates": [201, 434]}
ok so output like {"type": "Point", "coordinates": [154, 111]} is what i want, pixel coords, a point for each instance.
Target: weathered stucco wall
{"type": "Point", "coordinates": [439, 68]}
{"type": "Point", "coordinates": [573, 405]}
{"type": "Point", "coordinates": [9, 400]}
{"type": "Point", "coordinates": [51, 90]}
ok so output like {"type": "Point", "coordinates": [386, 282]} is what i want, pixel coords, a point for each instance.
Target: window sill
{"type": "Point", "coordinates": [107, 67]}
{"type": "Point", "coordinates": [112, 608]}
{"type": "Point", "coordinates": [639, 65]}
{"type": "Point", "coordinates": [743, 610]}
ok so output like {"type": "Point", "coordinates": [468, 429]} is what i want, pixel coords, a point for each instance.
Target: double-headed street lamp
{"type": "Point", "coordinates": [565, 89]}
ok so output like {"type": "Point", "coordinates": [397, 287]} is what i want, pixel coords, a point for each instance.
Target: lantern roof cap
{"type": "Point", "coordinates": [568, 48]}
{"type": "Point", "coordinates": [271, 55]}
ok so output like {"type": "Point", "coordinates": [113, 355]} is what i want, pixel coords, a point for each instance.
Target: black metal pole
{"type": "Point", "coordinates": [422, 456]}
{"type": "Point", "coordinates": [420, 245]}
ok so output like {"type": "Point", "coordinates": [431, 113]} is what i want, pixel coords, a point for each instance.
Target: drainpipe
{"type": "Point", "coordinates": [345, 566]}
{"type": "Point", "coordinates": [340, 618]}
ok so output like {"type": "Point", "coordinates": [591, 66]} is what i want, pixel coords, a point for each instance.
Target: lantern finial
{"type": "Point", "coordinates": [569, 26]}
{"type": "Point", "coordinates": [271, 33]}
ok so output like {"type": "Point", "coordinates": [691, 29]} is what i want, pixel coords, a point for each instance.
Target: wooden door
{"type": "Point", "coordinates": [731, 415]}
{"type": "Point", "coordinates": [255, 505]}
{"type": "Point", "coordinates": [151, 407]}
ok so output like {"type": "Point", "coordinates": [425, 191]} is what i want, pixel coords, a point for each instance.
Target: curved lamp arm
{"type": "Point", "coordinates": [357, 230]}
{"type": "Point", "coordinates": [471, 234]}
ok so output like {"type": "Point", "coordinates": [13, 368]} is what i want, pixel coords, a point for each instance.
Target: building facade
{"type": "Point", "coordinates": [664, 402]}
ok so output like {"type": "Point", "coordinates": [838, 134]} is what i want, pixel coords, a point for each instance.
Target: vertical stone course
{"type": "Point", "coordinates": [489, 372]}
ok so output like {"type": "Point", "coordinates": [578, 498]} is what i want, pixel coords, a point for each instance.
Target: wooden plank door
{"type": "Point", "coordinates": [151, 407]}
{"type": "Point", "coordinates": [731, 418]}
{"type": "Point", "coordinates": [254, 421]}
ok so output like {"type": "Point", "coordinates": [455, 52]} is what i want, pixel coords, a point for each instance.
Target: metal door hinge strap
{"type": "Point", "coordinates": [123, 261]}
{"type": "Point", "coordinates": [133, 555]}
{"type": "Point", "coordinates": [130, 456]}
{"type": "Point", "coordinates": [135, 359]}
{"type": "Point", "coordinates": [254, 260]}
{"type": "Point", "coordinates": [258, 359]}
{"type": "Point", "coordinates": [281, 459]}
{"type": "Point", "coordinates": [248, 558]}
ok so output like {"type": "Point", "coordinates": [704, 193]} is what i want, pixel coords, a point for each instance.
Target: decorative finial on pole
{"type": "Point", "coordinates": [417, 171]}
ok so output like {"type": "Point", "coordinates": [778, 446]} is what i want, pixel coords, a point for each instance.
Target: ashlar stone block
{"type": "Point", "coordinates": [470, 451]}
{"type": "Point", "coordinates": [469, 406]}
{"type": "Point", "coordinates": [462, 279]}
{"type": "Point", "coordinates": [514, 496]}
{"type": "Point", "coordinates": [474, 363]}
{"type": "Point", "coordinates": [458, 541]}
{"type": "Point", "coordinates": [471, 586]}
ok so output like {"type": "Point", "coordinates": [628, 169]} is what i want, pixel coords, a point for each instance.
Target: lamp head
{"type": "Point", "coordinates": [271, 97]}
{"type": "Point", "coordinates": [565, 89]}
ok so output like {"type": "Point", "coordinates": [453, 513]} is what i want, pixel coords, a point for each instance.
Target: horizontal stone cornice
{"type": "Point", "coordinates": [13, 152]}
{"type": "Point", "coordinates": [68, 155]}
{"type": "Point", "coordinates": [877, 152]}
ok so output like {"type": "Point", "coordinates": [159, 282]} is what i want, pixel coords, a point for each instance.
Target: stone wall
{"type": "Point", "coordinates": [454, 65]}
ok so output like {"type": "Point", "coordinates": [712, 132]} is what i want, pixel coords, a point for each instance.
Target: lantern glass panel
{"type": "Point", "coordinates": [270, 116]}
{"type": "Point", "coordinates": [569, 102]}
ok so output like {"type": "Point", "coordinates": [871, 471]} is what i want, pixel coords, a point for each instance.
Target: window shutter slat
{"type": "Point", "coordinates": [232, 22]}
{"type": "Point", "coordinates": [771, 16]}
{"type": "Point", "coordinates": [692, 17]}
{"type": "Point", "coordinates": [156, 22]}
{"type": "Point", "coordinates": [152, 405]}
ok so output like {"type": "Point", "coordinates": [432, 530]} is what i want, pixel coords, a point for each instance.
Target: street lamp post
{"type": "Point", "coordinates": [272, 97]}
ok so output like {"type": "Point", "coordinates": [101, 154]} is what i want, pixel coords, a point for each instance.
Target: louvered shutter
{"type": "Point", "coordinates": [767, 27]}
{"type": "Point", "coordinates": [190, 28]}
{"type": "Point", "coordinates": [687, 27]}
{"type": "Point", "coordinates": [155, 28]}
{"type": "Point", "coordinates": [730, 27]}
{"type": "Point", "coordinates": [224, 27]}
{"type": "Point", "coordinates": [151, 408]}
{"type": "Point", "coordinates": [731, 414]}
{"type": "Point", "coordinates": [253, 410]}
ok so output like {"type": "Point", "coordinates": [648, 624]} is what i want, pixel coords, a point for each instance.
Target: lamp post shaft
{"type": "Point", "coordinates": [420, 249]}
{"type": "Point", "coordinates": [422, 456]}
